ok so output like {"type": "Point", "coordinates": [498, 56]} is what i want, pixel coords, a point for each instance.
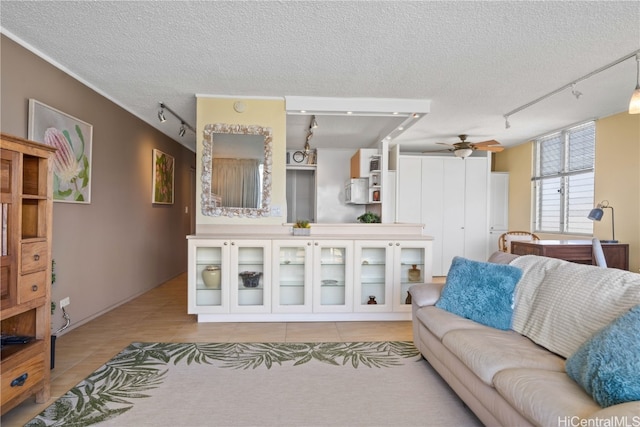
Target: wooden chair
{"type": "Point", "coordinates": [505, 239]}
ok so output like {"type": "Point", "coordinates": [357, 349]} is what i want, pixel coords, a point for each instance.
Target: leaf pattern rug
{"type": "Point", "coordinates": [261, 384]}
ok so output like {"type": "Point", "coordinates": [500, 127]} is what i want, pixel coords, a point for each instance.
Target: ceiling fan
{"type": "Point", "coordinates": [463, 149]}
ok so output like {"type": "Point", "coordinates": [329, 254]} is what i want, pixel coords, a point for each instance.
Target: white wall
{"type": "Point", "coordinates": [333, 170]}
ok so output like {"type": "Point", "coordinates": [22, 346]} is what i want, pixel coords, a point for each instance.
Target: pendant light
{"type": "Point", "coordinates": [634, 104]}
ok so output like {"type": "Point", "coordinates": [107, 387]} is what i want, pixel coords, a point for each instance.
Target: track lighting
{"type": "Point", "coordinates": [507, 125]}
{"type": "Point", "coordinates": [312, 125]}
{"type": "Point", "coordinates": [634, 104]}
{"type": "Point", "coordinates": [183, 125]}
{"type": "Point", "coordinates": [575, 92]}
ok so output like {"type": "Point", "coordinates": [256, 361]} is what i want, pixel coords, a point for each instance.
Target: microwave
{"type": "Point", "coordinates": [356, 191]}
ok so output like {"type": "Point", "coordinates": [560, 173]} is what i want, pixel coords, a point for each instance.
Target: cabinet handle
{"type": "Point", "coordinates": [225, 243]}
{"type": "Point", "coordinates": [308, 243]}
{"type": "Point", "coordinates": [397, 244]}
{"type": "Point", "coordinates": [390, 243]}
{"type": "Point", "coordinates": [36, 257]}
{"type": "Point", "coordinates": [19, 382]}
{"type": "Point", "coordinates": [233, 243]}
{"type": "Point", "coordinates": [316, 243]}
{"type": "Point", "coordinates": [34, 288]}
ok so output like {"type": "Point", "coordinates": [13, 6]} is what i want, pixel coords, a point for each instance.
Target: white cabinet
{"type": "Point", "coordinates": [250, 276]}
{"type": "Point", "coordinates": [385, 270]}
{"type": "Point", "coordinates": [332, 276]}
{"type": "Point", "coordinates": [498, 208]}
{"type": "Point", "coordinates": [244, 271]}
{"type": "Point", "coordinates": [450, 197]}
{"type": "Point", "coordinates": [292, 276]}
{"type": "Point", "coordinates": [312, 276]}
{"type": "Point", "coordinates": [204, 253]}
{"type": "Point", "coordinates": [305, 279]}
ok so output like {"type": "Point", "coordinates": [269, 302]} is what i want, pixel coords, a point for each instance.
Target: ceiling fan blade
{"type": "Point", "coordinates": [492, 148]}
{"type": "Point", "coordinates": [444, 150]}
{"type": "Point", "coordinates": [485, 143]}
{"type": "Point", "coordinates": [444, 143]}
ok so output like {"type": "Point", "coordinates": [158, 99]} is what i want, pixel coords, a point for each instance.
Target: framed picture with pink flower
{"type": "Point", "coordinates": [163, 177]}
{"type": "Point", "coordinates": [72, 162]}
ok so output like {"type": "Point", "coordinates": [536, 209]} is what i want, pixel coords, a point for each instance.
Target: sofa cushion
{"type": "Point", "coordinates": [440, 321]}
{"type": "Point", "coordinates": [607, 366]}
{"type": "Point", "coordinates": [571, 302]}
{"type": "Point", "coordinates": [486, 352]}
{"type": "Point", "coordinates": [546, 398]}
{"type": "Point", "coordinates": [480, 291]}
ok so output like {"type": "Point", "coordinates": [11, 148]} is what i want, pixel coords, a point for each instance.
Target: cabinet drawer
{"type": "Point", "coordinates": [34, 257]}
{"type": "Point", "coordinates": [32, 286]}
{"type": "Point", "coordinates": [33, 368]}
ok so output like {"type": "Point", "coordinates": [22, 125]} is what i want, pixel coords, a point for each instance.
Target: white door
{"type": "Point", "coordinates": [476, 208]}
{"type": "Point", "coordinates": [453, 207]}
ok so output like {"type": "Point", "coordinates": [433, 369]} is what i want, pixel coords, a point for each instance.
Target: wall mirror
{"type": "Point", "coordinates": [236, 170]}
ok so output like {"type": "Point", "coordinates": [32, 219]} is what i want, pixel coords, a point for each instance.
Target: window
{"type": "Point", "coordinates": [563, 180]}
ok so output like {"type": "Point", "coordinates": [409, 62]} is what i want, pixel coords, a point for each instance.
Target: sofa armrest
{"type": "Point", "coordinates": [425, 293]}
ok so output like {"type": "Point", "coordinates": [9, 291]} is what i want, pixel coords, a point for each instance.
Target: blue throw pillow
{"type": "Point", "coordinates": [480, 291]}
{"type": "Point", "coordinates": [607, 365]}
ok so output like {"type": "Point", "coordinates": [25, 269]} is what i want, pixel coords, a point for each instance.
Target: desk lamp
{"type": "Point", "coordinates": [596, 215]}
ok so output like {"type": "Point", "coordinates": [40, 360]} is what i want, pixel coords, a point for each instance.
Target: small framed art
{"type": "Point", "coordinates": [163, 178]}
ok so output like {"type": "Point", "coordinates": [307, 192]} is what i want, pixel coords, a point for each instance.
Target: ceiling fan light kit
{"type": "Point", "coordinates": [464, 149]}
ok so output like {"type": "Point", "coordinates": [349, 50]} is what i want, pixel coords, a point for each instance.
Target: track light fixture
{"type": "Point", "coordinates": [183, 124]}
{"type": "Point", "coordinates": [312, 125]}
{"type": "Point", "coordinates": [575, 92]}
{"type": "Point", "coordinates": [634, 105]}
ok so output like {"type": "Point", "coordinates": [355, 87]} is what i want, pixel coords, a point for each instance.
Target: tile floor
{"type": "Point", "coordinates": [160, 315]}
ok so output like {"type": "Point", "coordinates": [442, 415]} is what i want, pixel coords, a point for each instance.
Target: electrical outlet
{"type": "Point", "coordinates": [65, 302]}
{"type": "Point", "coordinates": [276, 211]}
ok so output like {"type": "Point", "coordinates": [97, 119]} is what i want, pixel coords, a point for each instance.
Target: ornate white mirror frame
{"type": "Point", "coordinates": [210, 204]}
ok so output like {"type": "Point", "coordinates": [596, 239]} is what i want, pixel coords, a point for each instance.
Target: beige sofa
{"type": "Point", "coordinates": [505, 377]}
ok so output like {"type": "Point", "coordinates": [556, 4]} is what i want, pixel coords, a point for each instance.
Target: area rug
{"type": "Point", "coordinates": [261, 384]}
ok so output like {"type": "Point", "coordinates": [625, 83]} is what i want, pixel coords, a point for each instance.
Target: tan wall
{"type": "Point", "coordinates": [263, 112]}
{"type": "Point", "coordinates": [617, 179]}
{"type": "Point", "coordinates": [120, 245]}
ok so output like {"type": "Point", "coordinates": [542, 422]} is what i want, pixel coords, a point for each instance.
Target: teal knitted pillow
{"type": "Point", "coordinates": [480, 291]}
{"type": "Point", "coordinates": [607, 365]}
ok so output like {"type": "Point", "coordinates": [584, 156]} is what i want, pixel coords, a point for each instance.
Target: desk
{"type": "Point", "coordinates": [580, 251]}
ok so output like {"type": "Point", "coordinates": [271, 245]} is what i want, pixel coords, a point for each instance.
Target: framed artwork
{"type": "Point", "coordinates": [163, 177]}
{"type": "Point", "coordinates": [72, 162]}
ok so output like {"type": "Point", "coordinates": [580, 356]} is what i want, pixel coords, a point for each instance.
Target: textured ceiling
{"type": "Point", "coordinates": [474, 60]}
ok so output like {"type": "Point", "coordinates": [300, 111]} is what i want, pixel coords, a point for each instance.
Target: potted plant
{"type": "Point", "coordinates": [369, 218]}
{"type": "Point", "coordinates": [302, 228]}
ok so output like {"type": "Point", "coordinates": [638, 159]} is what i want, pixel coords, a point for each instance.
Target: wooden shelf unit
{"type": "Point", "coordinates": [26, 214]}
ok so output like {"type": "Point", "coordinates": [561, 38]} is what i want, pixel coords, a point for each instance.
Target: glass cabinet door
{"type": "Point", "coordinates": [208, 276]}
{"type": "Point", "coordinates": [250, 280]}
{"type": "Point", "coordinates": [412, 267]}
{"type": "Point", "coordinates": [332, 276]}
{"type": "Point", "coordinates": [373, 278]}
{"type": "Point", "coordinates": [292, 276]}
